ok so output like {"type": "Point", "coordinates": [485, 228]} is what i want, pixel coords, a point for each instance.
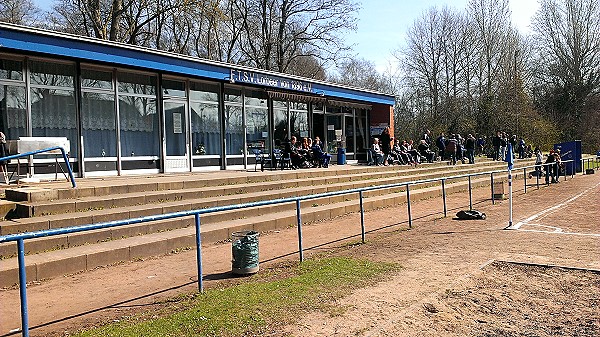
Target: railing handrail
{"type": "Point", "coordinates": [118, 223]}
{"type": "Point", "coordinates": [31, 153]}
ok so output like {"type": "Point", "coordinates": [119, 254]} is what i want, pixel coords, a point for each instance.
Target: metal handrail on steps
{"type": "Point", "coordinates": [50, 149]}
{"type": "Point", "coordinates": [21, 237]}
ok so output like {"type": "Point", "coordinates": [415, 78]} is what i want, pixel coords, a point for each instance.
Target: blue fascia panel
{"type": "Point", "coordinates": [330, 91]}
{"type": "Point", "coordinates": [102, 53]}
{"type": "Point", "coordinates": [94, 52]}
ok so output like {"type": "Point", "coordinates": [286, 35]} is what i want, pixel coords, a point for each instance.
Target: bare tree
{"type": "Point", "coordinates": [567, 35]}
{"type": "Point", "coordinates": [129, 21]}
{"type": "Point", "coordinates": [276, 32]}
{"type": "Point", "coordinates": [436, 73]}
{"type": "Point", "coordinates": [21, 12]}
{"type": "Point", "coordinates": [362, 73]}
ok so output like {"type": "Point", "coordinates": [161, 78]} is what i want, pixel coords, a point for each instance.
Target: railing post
{"type": "Point", "coordinates": [362, 216]}
{"type": "Point", "coordinates": [582, 166]}
{"type": "Point", "coordinates": [444, 197]}
{"type": "Point", "coordinates": [525, 179]}
{"type": "Point", "coordinates": [23, 287]}
{"type": "Point", "coordinates": [68, 167]}
{"type": "Point", "coordinates": [199, 253]}
{"type": "Point", "coordinates": [299, 218]}
{"type": "Point", "coordinates": [492, 183]}
{"type": "Point", "coordinates": [408, 203]}
{"type": "Point", "coordinates": [538, 177]}
{"type": "Point", "coordinates": [470, 195]}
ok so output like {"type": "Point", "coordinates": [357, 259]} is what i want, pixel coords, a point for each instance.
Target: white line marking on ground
{"type": "Point", "coordinates": [555, 229]}
{"type": "Point", "coordinates": [554, 232]}
{"type": "Point", "coordinates": [551, 209]}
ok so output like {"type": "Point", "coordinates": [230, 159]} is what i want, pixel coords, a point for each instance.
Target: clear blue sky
{"type": "Point", "coordinates": [383, 24]}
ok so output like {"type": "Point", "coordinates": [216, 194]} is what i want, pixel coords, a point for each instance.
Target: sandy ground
{"type": "Point", "coordinates": [454, 282]}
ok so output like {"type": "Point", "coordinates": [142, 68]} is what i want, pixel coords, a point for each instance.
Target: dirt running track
{"type": "Point", "coordinates": [448, 270]}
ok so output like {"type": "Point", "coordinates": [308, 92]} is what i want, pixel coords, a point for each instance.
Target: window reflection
{"type": "Point", "coordinates": [138, 117]}
{"type": "Point", "coordinates": [99, 125]}
{"type": "Point", "coordinates": [234, 130]}
{"type": "Point", "coordinates": [13, 113]}
{"type": "Point", "coordinates": [52, 99]}
{"type": "Point", "coordinates": [205, 122]}
{"type": "Point", "coordinates": [11, 70]}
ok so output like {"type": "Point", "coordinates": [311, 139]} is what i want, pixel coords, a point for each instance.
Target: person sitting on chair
{"type": "Point", "coordinates": [318, 153]}
{"type": "Point", "coordinates": [297, 159]}
{"type": "Point", "coordinates": [397, 153]}
{"type": "Point", "coordinates": [377, 153]}
{"type": "Point", "coordinates": [424, 151]}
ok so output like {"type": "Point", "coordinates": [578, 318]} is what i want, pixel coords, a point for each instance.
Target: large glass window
{"type": "Point", "coordinates": [299, 119]}
{"type": "Point", "coordinates": [349, 132]}
{"type": "Point", "coordinates": [138, 115]}
{"type": "Point", "coordinates": [280, 120]}
{"type": "Point", "coordinates": [206, 134]}
{"type": "Point", "coordinates": [98, 115]}
{"type": "Point", "coordinates": [334, 123]}
{"type": "Point", "coordinates": [53, 109]}
{"type": "Point", "coordinates": [234, 129]}
{"type": "Point", "coordinates": [362, 137]}
{"type": "Point", "coordinates": [257, 121]}
{"type": "Point", "coordinates": [99, 125]}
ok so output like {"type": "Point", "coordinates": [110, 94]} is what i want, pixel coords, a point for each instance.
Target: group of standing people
{"type": "Point", "coordinates": [500, 144]}
{"type": "Point", "coordinates": [455, 148]}
{"type": "Point", "coordinates": [551, 166]}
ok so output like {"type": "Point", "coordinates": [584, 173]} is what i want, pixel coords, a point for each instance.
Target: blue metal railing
{"type": "Point", "coordinates": [31, 153]}
{"type": "Point", "coordinates": [21, 237]}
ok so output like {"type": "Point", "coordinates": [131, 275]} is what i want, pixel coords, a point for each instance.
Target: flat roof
{"type": "Point", "coordinates": [33, 40]}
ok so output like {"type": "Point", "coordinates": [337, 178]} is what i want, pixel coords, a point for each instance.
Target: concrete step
{"type": "Point", "coordinates": [53, 243]}
{"type": "Point", "coordinates": [56, 263]}
{"type": "Point", "coordinates": [82, 204]}
{"type": "Point", "coordinates": [165, 182]}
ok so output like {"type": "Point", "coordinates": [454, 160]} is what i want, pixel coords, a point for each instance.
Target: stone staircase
{"type": "Point", "coordinates": [56, 205]}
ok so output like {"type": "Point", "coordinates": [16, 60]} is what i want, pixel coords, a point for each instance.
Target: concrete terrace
{"type": "Point", "coordinates": [55, 204]}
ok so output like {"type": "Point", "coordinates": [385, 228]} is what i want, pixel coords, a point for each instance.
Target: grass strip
{"type": "Point", "coordinates": [254, 306]}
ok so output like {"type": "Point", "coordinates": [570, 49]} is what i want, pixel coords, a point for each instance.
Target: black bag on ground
{"type": "Point", "coordinates": [536, 174]}
{"type": "Point", "coordinates": [470, 215]}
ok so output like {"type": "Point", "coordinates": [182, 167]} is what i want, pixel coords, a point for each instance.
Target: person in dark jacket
{"type": "Point", "coordinates": [480, 145]}
{"type": "Point", "coordinates": [297, 159]}
{"type": "Point", "coordinates": [440, 142]}
{"type": "Point", "coordinates": [451, 148]}
{"type": "Point", "coordinates": [385, 142]}
{"type": "Point", "coordinates": [549, 167]}
{"type": "Point", "coordinates": [424, 151]}
{"type": "Point", "coordinates": [470, 148]}
{"type": "Point", "coordinates": [496, 140]}
{"type": "Point", "coordinates": [427, 137]}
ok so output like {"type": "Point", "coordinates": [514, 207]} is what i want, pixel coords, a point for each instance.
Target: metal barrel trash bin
{"type": "Point", "coordinates": [244, 251]}
{"type": "Point", "coordinates": [341, 156]}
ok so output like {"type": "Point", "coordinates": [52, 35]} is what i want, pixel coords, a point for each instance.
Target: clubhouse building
{"type": "Point", "coordinates": [133, 110]}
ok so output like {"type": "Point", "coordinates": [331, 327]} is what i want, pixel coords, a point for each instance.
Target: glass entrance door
{"type": "Point", "coordinates": [176, 130]}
